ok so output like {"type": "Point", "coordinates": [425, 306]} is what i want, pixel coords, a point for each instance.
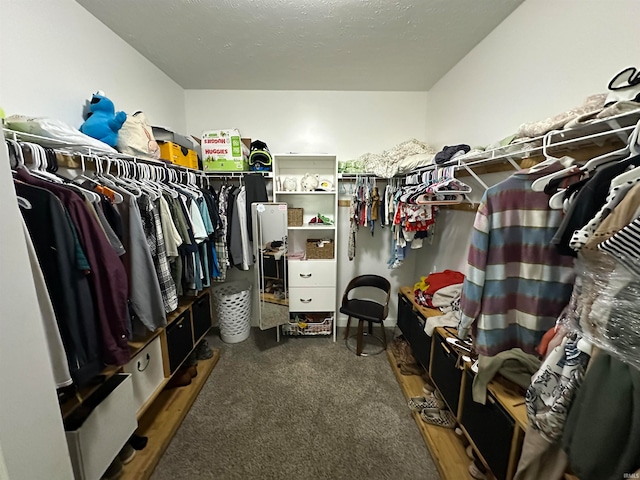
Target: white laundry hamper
{"type": "Point", "coordinates": [232, 304]}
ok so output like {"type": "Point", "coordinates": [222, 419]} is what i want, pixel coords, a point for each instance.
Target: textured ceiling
{"type": "Point", "coordinates": [303, 44]}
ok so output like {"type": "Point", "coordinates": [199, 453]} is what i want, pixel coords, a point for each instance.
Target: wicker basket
{"type": "Point", "coordinates": [294, 217]}
{"type": "Point", "coordinates": [319, 249]}
{"type": "Point", "coordinates": [300, 325]}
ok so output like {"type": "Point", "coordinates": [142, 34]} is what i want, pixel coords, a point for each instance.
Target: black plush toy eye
{"type": "Point", "coordinates": [94, 100]}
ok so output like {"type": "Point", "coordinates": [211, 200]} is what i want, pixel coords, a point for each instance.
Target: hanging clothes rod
{"type": "Point", "coordinates": [622, 132]}
{"type": "Point", "coordinates": [70, 148]}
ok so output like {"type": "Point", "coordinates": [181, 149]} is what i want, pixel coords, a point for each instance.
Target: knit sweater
{"type": "Point", "coordinates": [517, 284]}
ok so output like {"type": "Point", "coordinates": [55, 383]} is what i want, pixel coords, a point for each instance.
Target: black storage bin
{"type": "Point", "coordinates": [201, 310]}
{"type": "Point", "coordinates": [179, 340]}
{"type": "Point", "coordinates": [411, 325]}
{"type": "Point", "coordinates": [490, 427]}
{"type": "Point", "coordinates": [445, 372]}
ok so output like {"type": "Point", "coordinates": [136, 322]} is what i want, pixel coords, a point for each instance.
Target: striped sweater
{"type": "Point", "coordinates": [516, 284]}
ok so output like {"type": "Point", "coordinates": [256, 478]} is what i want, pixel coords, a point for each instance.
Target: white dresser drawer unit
{"type": "Point", "coordinates": [310, 273]}
{"type": "Point", "coordinates": [312, 299]}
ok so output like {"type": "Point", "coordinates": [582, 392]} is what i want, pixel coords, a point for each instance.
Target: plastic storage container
{"type": "Point", "coordinates": [232, 304]}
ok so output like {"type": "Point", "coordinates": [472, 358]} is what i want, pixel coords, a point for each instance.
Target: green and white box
{"type": "Point", "coordinates": [223, 151]}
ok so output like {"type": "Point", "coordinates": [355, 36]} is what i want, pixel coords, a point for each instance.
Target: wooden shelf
{"type": "Point", "coordinates": [162, 420]}
{"type": "Point", "coordinates": [447, 450]}
{"type": "Point", "coordinates": [509, 396]}
{"type": "Point", "coordinates": [184, 303]}
{"type": "Point", "coordinates": [425, 311]}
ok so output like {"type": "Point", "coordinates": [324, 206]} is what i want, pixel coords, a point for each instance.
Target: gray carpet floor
{"type": "Point", "coordinates": [304, 408]}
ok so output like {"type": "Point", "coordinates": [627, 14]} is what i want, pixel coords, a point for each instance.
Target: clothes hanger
{"type": "Point", "coordinates": [161, 173]}
{"type": "Point", "coordinates": [550, 159]}
{"type": "Point", "coordinates": [539, 184]}
{"type": "Point", "coordinates": [38, 157]}
{"type": "Point", "coordinates": [631, 148]}
{"type": "Point", "coordinates": [633, 174]}
{"type": "Point", "coordinates": [449, 178]}
{"type": "Point", "coordinates": [18, 153]}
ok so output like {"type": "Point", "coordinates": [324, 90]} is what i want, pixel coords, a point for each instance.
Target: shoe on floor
{"type": "Point", "coordinates": [411, 369]}
{"type": "Point", "coordinates": [114, 471]}
{"type": "Point", "coordinates": [192, 359]}
{"type": "Point", "coordinates": [428, 388]}
{"type": "Point", "coordinates": [417, 404]}
{"type": "Point", "coordinates": [469, 451]}
{"type": "Point", "coordinates": [203, 352]}
{"type": "Point", "coordinates": [440, 417]}
{"type": "Point", "coordinates": [126, 454]}
{"type": "Point", "coordinates": [138, 442]}
{"type": "Point", "coordinates": [181, 378]}
{"type": "Point", "coordinates": [193, 371]}
{"type": "Point", "coordinates": [476, 471]}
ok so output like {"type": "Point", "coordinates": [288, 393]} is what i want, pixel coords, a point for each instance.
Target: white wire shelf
{"type": "Point", "coordinates": [595, 134]}
{"type": "Point", "coordinates": [86, 150]}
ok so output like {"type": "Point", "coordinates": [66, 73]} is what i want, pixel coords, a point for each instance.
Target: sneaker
{"type": "Point", "coordinates": [476, 471]}
{"type": "Point", "coordinates": [138, 442]}
{"type": "Point", "coordinates": [203, 352]}
{"type": "Point", "coordinates": [417, 404]}
{"type": "Point", "coordinates": [440, 417]}
{"type": "Point", "coordinates": [428, 388]}
{"type": "Point", "coordinates": [469, 451]}
{"type": "Point", "coordinates": [126, 454]}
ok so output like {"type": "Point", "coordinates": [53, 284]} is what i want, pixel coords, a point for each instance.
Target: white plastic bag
{"type": "Point", "coordinates": [58, 131]}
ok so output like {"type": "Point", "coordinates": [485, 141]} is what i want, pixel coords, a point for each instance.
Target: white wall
{"type": "Point", "coordinates": [345, 123]}
{"type": "Point", "coordinates": [55, 54]}
{"type": "Point", "coordinates": [32, 441]}
{"type": "Point", "coordinates": [545, 58]}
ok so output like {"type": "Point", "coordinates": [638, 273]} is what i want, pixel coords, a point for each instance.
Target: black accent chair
{"type": "Point", "coordinates": [366, 310]}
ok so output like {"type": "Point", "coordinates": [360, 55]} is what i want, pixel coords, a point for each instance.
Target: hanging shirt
{"type": "Point", "coordinates": [144, 288]}
{"type": "Point", "coordinates": [155, 240]}
{"type": "Point", "coordinates": [247, 256]}
{"type": "Point", "coordinates": [199, 230]}
{"type": "Point", "coordinates": [517, 284]}
{"type": "Point", "coordinates": [108, 279]}
{"type": "Point", "coordinates": [57, 354]}
{"type": "Point", "coordinates": [172, 238]}
{"type": "Point", "coordinates": [51, 232]}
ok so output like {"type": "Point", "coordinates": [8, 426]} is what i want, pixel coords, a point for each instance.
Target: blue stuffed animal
{"type": "Point", "coordinates": [103, 122]}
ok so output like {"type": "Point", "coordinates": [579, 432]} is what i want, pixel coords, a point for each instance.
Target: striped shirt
{"type": "Point", "coordinates": [516, 284]}
{"type": "Point", "coordinates": [625, 246]}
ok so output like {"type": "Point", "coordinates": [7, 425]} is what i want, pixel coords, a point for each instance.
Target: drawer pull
{"type": "Point", "coordinates": [305, 275]}
{"type": "Point", "coordinates": [145, 367]}
{"type": "Point", "coordinates": [306, 300]}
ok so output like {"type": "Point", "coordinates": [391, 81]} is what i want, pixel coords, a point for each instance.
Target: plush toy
{"type": "Point", "coordinates": [103, 122]}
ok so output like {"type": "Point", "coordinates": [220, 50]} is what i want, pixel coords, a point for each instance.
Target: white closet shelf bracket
{"type": "Point", "coordinates": [475, 175]}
